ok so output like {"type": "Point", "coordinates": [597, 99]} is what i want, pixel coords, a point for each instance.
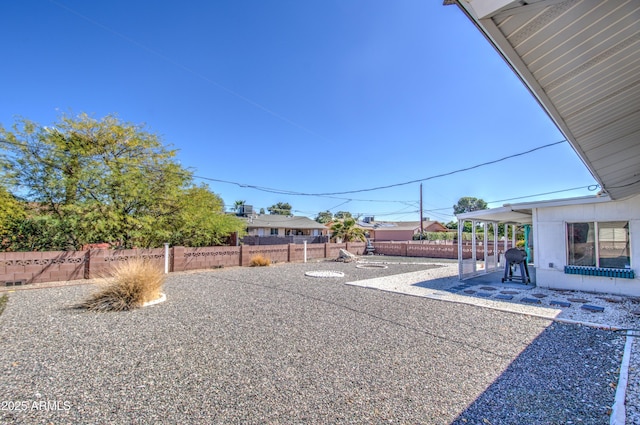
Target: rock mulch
{"type": "Point", "coordinates": [269, 345]}
{"type": "Point", "coordinates": [632, 403]}
{"type": "Point", "coordinates": [609, 311]}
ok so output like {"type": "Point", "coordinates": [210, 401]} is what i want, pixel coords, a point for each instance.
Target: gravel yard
{"type": "Point", "coordinates": [270, 345]}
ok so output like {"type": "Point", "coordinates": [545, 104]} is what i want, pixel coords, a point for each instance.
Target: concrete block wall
{"type": "Point", "coordinates": [19, 268]}
{"type": "Point", "coordinates": [205, 258]}
{"type": "Point", "coordinates": [102, 261]}
{"type": "Point", "coordinates": [35, 267]}
{"type": "Point", "coordinates": [430, 250]}
{"type": "Point", "coordinates": [275, 253]}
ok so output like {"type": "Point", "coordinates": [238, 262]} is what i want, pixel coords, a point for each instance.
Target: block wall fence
{"type": "Point", "coordinates": [19, 268]}
{"type": "Point", "coordinates": [433, 249]}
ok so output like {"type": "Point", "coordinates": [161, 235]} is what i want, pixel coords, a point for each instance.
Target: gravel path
{"type": "Point", "coordinates": [269, 345]}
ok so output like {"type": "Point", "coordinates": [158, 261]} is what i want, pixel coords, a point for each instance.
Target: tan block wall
{"type": "Point", "coordinates": [206, 258]}
{"type": "Point", "coordinates": [36, 267]}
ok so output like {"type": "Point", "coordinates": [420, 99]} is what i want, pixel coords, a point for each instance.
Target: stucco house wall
{"type": "Point", "coordinates": [550, 245]}
{"type": "Point", "coordinates": [394, 235]}
{"type": "Point", "coordinates": [401, 231]}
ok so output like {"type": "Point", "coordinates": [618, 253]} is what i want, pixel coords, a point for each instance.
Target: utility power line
{"type": "Point", "coordinates": [347, 200]}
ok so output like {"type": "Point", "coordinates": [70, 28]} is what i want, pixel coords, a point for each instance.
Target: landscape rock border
{"type": "Point", "coordinates": [324, 273]}
{"type": "Point", "coordinates": [163, 298]}
{"type": "Point", "coordinates": [371, 266]}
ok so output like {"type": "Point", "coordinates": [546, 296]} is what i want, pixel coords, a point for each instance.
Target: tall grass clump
{"type": "Point", "coordinates": [132, 284]}
{"type": "Point", "coordinates": [3, 302]}
{"type": "Point", "coordinates": [259, 261]}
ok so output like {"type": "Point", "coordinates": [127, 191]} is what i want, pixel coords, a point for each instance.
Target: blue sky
{"type": "Point", "coordinates": [308, 97]}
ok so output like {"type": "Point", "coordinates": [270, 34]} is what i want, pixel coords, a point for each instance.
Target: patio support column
{"type": "Point", "coordinates": [474, 246]}
{"type": "Point", "coordinates": [496, 256]}
{"type": "Point", "coordinates": [460, 227]}
{"type": "Point", "coordinates": [506, 241]}
{"type": "Point", "coordinates": [485, 246]}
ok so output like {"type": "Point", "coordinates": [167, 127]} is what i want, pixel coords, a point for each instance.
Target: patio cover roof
{"type": "Point", "coordinates": [522, 213]}
{"type": "Point", "coordinates": [581, 61]}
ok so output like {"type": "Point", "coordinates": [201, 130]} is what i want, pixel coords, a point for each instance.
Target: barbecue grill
{"type": "Point", "coordinates": [515, 257]}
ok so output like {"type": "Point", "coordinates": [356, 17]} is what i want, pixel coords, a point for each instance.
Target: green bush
{"type": "Point", "coordinates": [436, 236]}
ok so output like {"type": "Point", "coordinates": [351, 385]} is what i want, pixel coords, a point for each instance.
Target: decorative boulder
{"type": "Point", "coordinates": [346, 257]}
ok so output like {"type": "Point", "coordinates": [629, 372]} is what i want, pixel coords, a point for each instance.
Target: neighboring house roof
{"type": "Point", "coordinates": [522, 213]}
{"type": "Point", "coordinates": [401, 225]}
{"type": "Point", "coordinates": [580, 61]}
{"type": "Point", "coordinates": [283, 221]}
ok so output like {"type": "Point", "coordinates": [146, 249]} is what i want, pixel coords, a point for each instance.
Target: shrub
{"type": "Point", "coordinates": [259, 261]}
{"type": "Point", "coordinates": [3, 302]}
{"type": "Point", "coordinates": [436, 236]}
{"type": "Point", "coordinates": [132, 284]}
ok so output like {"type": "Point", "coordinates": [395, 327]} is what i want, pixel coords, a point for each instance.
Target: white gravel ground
{"type": "Point", "coordinates": [271, 345]}
{"type": "Point", "coordinates": [633, 386]}
{"type": "Point", "coordinates": [433, 283]}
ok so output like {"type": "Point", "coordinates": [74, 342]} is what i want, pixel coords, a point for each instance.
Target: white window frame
{"type": "Point", "coordinates": [596, 238]}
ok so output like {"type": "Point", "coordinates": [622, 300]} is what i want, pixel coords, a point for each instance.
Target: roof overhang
{"type": "Point", "coordinates": [522, 213]}
{"type": "Point", "coordinates": [581, 61]}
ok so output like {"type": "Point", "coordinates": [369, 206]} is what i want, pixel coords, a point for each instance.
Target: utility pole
{"type": "Point", "coordinates": [421, 229]}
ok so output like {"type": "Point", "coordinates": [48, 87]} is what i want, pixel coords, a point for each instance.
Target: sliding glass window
{"type": "Point", "coordinates": [599, 244]}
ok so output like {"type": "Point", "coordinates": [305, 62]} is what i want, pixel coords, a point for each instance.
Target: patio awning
{"type": "Point", "coordinates": [506, 214]}
{"type": "Point", "coordinates": [522, 213]}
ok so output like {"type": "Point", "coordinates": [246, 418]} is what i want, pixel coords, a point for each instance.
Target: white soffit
{"type": "Point", "coordinates": [500, 215]}
{"type": "Point", "coordinates": [581, 60]}
{"type": "Point", "coordinates": [522, 212]}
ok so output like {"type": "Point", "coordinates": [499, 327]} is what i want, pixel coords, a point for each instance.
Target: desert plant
{"type": "Point", "coordinates": [347, 231]}
{"type": "Point", "coordinates": [259, 260]}
{"type": "Point", "coordinates": [132, 284]}
{"type": "Point", "coordinates": [3, 302]}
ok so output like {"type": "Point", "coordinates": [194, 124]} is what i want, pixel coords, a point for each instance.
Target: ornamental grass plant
{"type": "Point", "coordinates": [259, 260]}
{"type": "Point", "coordinates": [132, 284]}
{"type": "Point", "coordinates": [3, 302]}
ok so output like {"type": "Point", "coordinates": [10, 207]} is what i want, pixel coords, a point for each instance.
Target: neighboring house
{"type": "Point", "coordinates": [287, 227]}
{"type": "Point", "coordinates": [398, 230]}
{"type": "Point", "coordinates": [585, 74]}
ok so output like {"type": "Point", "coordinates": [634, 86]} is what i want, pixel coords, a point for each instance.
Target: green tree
{"type": "Point", "coordinates": [324, 217]}
{"type": "Point", "coordinates": [347, 231]}
{"type": "Point", "coordinates": [454, 226]}
{"type": "Point", "coordinates": [238, 205]}
{"type": "Point", "coordinates": [281, 208]}
{"type": "Point", "coordinates": [468, 204]}
{"type": "Point", "coordinates": [34, 233]}
{"type": "Point", "coordinates": [201, 220]}
{"type": "Point", "coordinates": [11, 210]}
{"type": "Point", "coordinates": [98, 180]}
{"type": "Point", "coordinates": [341, 215]}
